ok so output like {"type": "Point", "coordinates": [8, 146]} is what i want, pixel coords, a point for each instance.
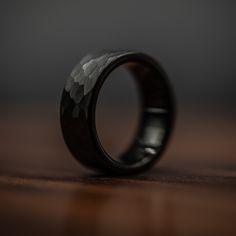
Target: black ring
{"type": "Point", "coordinates": [78, 104]}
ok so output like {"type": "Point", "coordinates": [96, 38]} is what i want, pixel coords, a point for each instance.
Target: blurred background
{"type": "Point", "coordinates": [41, 41]}
{"type": "Point", "coordinates": [194, 41]}
{"type": "Point", "coordinates": [41, 184]}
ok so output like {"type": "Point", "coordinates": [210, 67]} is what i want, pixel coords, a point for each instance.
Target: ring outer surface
{"type": "Point", "coordinates": [77, 113]}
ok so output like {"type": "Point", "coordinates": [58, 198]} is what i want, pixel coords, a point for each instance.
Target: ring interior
{"type": "Point", "coordinates": [155, 113]}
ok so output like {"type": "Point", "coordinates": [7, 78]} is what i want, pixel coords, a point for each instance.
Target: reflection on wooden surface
{"type": "Point", "coordinates": [43, 191]}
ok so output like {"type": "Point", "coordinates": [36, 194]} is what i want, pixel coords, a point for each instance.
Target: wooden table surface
{"type": "Point", "coordinates": [44, 191]}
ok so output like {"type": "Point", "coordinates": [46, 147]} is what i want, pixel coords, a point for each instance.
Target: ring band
{"type": "Point", "coordinates": [78, 105]}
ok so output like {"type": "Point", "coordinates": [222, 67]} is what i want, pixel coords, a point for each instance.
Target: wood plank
{"type": "Point", "coordinates": [43, 190]}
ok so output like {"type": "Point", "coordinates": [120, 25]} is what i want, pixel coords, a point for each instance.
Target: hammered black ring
{"type": "Point", "coordinates": [78, 105]}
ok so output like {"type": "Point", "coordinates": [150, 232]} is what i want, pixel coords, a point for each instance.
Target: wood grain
{"type": "Point", "coordinates": [44, 191]}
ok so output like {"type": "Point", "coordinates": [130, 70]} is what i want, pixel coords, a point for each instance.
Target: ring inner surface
{"type": "Point", "coordinates": [155, 113]}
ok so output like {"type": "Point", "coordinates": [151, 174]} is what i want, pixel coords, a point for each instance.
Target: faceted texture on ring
{"type": "Point", "coordinates": [85, 74]}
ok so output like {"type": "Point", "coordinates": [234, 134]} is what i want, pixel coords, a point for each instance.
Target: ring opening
{"type": "Point", "coordinates": [117, 115]}
{"type": "Point", "coordinates": [151, 125]}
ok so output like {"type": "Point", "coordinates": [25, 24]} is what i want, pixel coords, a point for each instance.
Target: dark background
{"type": "Point", "coordinates": [41, 41]}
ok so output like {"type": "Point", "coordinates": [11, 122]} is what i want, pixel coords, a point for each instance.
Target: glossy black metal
{"type": "Point", "coordinates": [78, 107]}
